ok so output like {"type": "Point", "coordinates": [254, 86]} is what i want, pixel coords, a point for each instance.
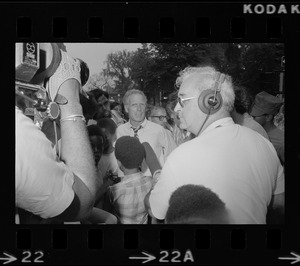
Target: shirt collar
{"type": "Point", "coordinates": [141, 125]}
{"type": "Point", "coordinates": [132, 177]}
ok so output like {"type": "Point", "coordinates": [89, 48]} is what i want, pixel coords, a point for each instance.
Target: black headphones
{"type": "Point", "coordinates": [210, 100]}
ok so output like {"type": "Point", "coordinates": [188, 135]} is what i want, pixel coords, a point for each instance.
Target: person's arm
{"type": "Point", "coordinates": [275, 214]}
{"type": "Point", "coordinates": [100, 216]}
{"type": "Point", "coordinates": [102, 190]}
{"type": "Point", "coordinates": [278, 203]}
{"type": "Point", "coordinates": [147, 204]}
{"type": "Point", "coordinates": [77, 154]}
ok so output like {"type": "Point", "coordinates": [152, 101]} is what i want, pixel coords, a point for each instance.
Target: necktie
{"type": "Point", "coordinates": [135, 130]}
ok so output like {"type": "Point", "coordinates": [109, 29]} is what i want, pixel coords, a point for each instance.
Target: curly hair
{"type": "Point", "coordinates": [194, 202]}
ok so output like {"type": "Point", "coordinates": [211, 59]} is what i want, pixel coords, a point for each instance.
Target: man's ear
{"type": "Point", "coordinates": [126, 108]}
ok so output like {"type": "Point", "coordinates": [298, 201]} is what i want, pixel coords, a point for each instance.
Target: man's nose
{"type": "Point", "coordinates": [177, 108]}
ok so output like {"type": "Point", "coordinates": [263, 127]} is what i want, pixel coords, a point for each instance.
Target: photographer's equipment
{"type": "Point", "coordinates": [27, 60]}
{"type": "Point", "coordinates": [35, 62]}
{"type": "Point", "coordinates": [41, 68]}
{"type": "Point", "coordinates": [38, 102]}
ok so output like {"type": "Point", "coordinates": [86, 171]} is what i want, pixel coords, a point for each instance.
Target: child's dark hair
{"type": "Point", "coordinates": [94, 130]}
{"type": "Point", "coordinates": [194, 202]}
{"type": "Point", "coordinates": [130, 152]}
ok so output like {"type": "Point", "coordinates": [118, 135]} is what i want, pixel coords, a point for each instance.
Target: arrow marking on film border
{"type": "Point", "coordinates": [295, 259]}
{"type": "Point", "coordinates": [147, 258]}
{"type": "Point", "coordinates": [8, 259]}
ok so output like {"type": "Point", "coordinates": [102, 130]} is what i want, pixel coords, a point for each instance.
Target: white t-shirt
{"type": "Point", "coordinates": [43, 184]}
{"type": "Point", "coordinates": [239, 165]}
{"type": "Point", "coordinates": [155, 135]}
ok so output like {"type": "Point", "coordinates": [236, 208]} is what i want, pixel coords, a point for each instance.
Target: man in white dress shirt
{"type": "Point", "coordinates": [233, 161]}
{"type": "Point", "coordinates": [135, 105]}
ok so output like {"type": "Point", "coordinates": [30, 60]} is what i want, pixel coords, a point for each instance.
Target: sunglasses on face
{"type": "Point", "coordinates": [182, 100]}
{"type": "Point", "coordinates": [161, 117]}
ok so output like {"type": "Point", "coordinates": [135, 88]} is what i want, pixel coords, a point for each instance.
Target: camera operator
{"type": "Point", "coordinates": [47, 187]}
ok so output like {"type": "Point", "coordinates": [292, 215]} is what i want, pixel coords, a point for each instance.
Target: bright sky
{"type": "Point", "coordinates": [94, 54]}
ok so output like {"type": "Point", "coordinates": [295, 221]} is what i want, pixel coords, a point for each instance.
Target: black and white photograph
{"type": "Point", "coordinates": [150, 133]}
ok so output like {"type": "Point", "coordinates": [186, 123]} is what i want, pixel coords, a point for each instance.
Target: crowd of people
{"type": "Point", "coordinates": [210, 155]}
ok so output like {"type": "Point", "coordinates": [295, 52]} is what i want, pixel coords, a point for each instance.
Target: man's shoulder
{"type": "Point", "coordinates": [184, 150]}
{"type": "Point", "coordinates": [123, 127]}
{"type": "Point", "coordinates": [154, 126]}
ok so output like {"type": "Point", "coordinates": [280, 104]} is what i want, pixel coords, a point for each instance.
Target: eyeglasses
{"type": "Point", "coordinates": [182, 100]}
{"type": "Point", "coordinates": [161, 117]}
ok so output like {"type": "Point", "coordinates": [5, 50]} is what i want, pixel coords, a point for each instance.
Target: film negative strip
{"type": "Point", "coordinates": [156, 23]}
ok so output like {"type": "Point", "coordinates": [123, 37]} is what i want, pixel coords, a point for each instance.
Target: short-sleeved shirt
{"type": "Point", "coordinates": [127, 198]}
{"type": "Point", "coordinates": [235, 162]}
{"type": "Point", "coordinates": [43, 184]}
{"type": "Point", "coordinates": [155, 135]}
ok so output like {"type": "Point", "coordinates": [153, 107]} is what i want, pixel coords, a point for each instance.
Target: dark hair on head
{"type": "Point", "coordinates": [101, 113]}
{"type": "Point", "coordinates": [94, 130]}
{"type": "Point", "coordinates": [108, 124]}
{"type": "Point", "coordinates": [194, 202]}
{"type": "Point", "coordinates": [98, 92]}
{"type": "Point", "coordinates": [243, 99]}
{"type": "Point", "coordinates": [89, 106]}
{"type": "Point", "coordinates": [129, 151]}
{"type": "Point", "coordinates": [114, 104]}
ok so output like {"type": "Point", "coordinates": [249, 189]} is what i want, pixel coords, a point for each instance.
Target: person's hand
{"type": "Point", "coordinates": [66, 80]}
{"type": "Point", "coordinates": [111, 177]}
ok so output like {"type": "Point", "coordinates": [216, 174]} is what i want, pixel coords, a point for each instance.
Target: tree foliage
{"type": "Point", "coordinates": [99, 81]}
{"type": "Point", "coordinates": [119, 68]}
{"type": "Point", "coordinates": [155, 67]}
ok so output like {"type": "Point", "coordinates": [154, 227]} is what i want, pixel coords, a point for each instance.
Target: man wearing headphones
{"type": "Point", "coordinates": [239, 165]}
